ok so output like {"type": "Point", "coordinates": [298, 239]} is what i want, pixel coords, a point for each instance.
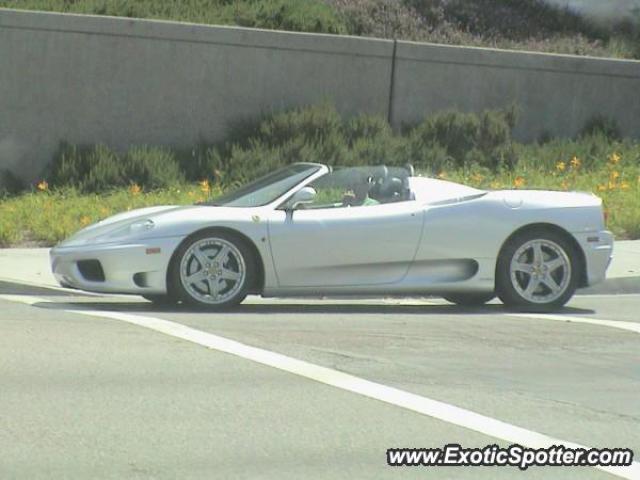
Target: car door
{"type": "Point", "coordinates": [365, 245]}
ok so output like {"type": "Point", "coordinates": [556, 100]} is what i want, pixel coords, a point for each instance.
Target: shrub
{"type": "Point", "coordinates": [601, 125]}
{"type": "Point", "coordinates": [296, 15]}
{"type": "Point", "coordinates": [467, 137]}
{"type": "Point", "coordinates": [98, 168]}
{"type": "Point", "coordinates": [318, 133]}
{"type": "Point", "coordinates": [10, 184]}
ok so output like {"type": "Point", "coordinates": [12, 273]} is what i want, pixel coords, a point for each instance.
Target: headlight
{"type": "Point", "coordinates": [142, 226]}
{"type": "Point", "coordinates": [132, 229]}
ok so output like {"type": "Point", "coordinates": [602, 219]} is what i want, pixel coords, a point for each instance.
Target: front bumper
{"type": "Point", "coordinates": [136, 268]}
{"type": "Point", "coordinates": [598, 252]}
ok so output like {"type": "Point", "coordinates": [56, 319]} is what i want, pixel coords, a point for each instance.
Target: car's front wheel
{"type": "Point", "coordinates": [212, 270]}
{"type": "Point", "coordinates": [537, 270]}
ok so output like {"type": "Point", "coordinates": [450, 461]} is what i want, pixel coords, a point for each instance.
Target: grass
{"type": "Point", "coordinates": [513, 24]}
{"type": "Point", "coordinates": [44, 217]}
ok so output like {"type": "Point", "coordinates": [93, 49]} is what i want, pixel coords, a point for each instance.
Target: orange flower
{"type": "Point", "coordinates": [476, 177]}
{"type": "Point", "coordinates": [560, 166]}
{"type": "Point", "coordinates": [204, 186]}
{"type": "Point", "coordinates": [518, 182]}
{"type": "Point", "coordinates": [575, 162]}
{"type": "Point", "coordinates": [135, 189]}
{"type": "Point", "coordinates": [614, 158]}
{"type": "Point", "coordinates": [43, 186]}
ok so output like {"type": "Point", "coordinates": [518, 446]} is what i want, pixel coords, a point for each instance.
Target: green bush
{"type": "Point", "coordinates": [10, 184]}
{"type": "Point", "coordinates": [98, 168]}
{"type": "Point", "coordinates": [467, 137]}
{"type": "Point", "coordinates": [318, 133]}
{"type": "Point", "coordinates": [296, 15]}
{"type": "Point", "coordinates": [601, 125]}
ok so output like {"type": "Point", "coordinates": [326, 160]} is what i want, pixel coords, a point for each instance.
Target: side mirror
{"type": "Point", "coordinates": [303, 196]}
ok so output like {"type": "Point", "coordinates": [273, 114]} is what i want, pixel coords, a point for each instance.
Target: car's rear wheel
{"type": "Point", "coordinates": [469, 299]}
{"type": "Point", "coordinates": [213, 270]}
{"type": "Point", "coordinates": [537, 270]}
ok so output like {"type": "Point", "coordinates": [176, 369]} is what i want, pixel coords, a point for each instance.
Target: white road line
{"type": "Point", "coordinates": [393, 396]}
{"type": "Point", "coordinates": [620, 324]}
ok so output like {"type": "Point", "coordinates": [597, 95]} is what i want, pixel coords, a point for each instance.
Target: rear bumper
{"type": "Point", "coordinates": [598, 252]}
{"type": "Point", "coordinates": [128, 268]}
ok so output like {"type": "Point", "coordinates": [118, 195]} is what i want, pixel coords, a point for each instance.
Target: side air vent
{"type": "Point", "coordinates": [91, 270]}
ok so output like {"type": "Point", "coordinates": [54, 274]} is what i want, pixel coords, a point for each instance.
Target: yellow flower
{"type": "Point", "coordinates": [614, 158]}
{"type": "Point", "coordinates": [204, 186]}
{"type": "Point", "coordinates": [560, 166]}
{"type": "Point", "coordinates": [611, 185]}
{"type": "Point", "coordinates": [442, 175]}
{"type": "Point", "coordinates": [495, 185]}
{"type": "Point", "coordinates": [476, 177]}
{"type": "Point", "coordinates": [624, 186]}
{"type": "Point", "coordinates": [575, 162]}
{"type": "Point", "coordinates": [614, 175]}
{"type": "Point", "coordinates": [602, 188]}
{"type": "Point", "coordinates": [84, 220]}
{"type": "Point", "coordinates": [135, 189]}
{"type": "Point", "coordinates": [190, 194]}
{"type": "Point", "coordinates": [43, 186]}
{"type": "Point", "coordinates": [564, 185]}
{"type": "Point", "coordinates": [518, 182]}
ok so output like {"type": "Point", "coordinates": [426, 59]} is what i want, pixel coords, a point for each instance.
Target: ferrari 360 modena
{"type": "Point", "coordinates": [311, 230]}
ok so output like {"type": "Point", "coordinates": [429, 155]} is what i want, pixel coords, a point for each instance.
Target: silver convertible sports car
{"type": "Point", "coordinates": [310, 230]}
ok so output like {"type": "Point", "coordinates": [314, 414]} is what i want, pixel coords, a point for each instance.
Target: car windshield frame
{"type": "Point", "coordinates": [268, 188]}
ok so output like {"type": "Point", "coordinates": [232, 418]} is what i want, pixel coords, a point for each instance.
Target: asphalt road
{"type": "Point", "coordinates": [100, 387]}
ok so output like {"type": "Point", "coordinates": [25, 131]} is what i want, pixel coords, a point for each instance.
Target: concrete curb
{"type": "Point", "coordinates": [614, 286]}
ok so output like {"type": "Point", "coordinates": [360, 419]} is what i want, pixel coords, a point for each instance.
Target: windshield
{"type": "Point", "coordinates": [268, 188]}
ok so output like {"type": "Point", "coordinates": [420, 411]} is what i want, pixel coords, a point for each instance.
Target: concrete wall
{"type": "Point", "coordinates": [556, 93]}
{"type": "Point", "coordinates": [87, 79]}
{"type": "Point", "coordinates": [118, 81]}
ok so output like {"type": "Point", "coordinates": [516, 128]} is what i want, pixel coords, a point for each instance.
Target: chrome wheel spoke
{"type": "Point", "coordinates": [212, 270]}
{"type": "Point", "coordinates": [532, 286]}
{"type": "Point", "coordinates": [551, 283]}
{"type": "Point", "coordinates": [538, 256]}
{"type": "Point", "coordinates": [214, 286]}
{"type": "Point", "coordinates": [536, 279]}
{"type": "Point", "coordinates": [222, 254]}
{"type": "Point", "coordinates": [197, 277]}
{"type": "Point", "coordinates": [202, 258]}
{"type": "Point", "coordinates": [523, 267]}
{"type": "Point", "coordinates": [228, 274]}
{"type": "Point", "coordinates": [554, 264]}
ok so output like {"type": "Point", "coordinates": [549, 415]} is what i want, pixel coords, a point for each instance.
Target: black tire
{"type": "Point", "coordinates": [469, 299]}
{"type": "Point", "coordinates": [160, 299]}
{"type": "Point", "coordinates": [512, 290]}
{"type": "Point", "coordinates": [196, 295]}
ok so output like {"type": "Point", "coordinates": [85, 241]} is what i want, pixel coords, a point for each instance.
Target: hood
{"type": "Point", "coordinates": [114, 223]}
{"type": "Point", "coordinates": [170, 220]}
